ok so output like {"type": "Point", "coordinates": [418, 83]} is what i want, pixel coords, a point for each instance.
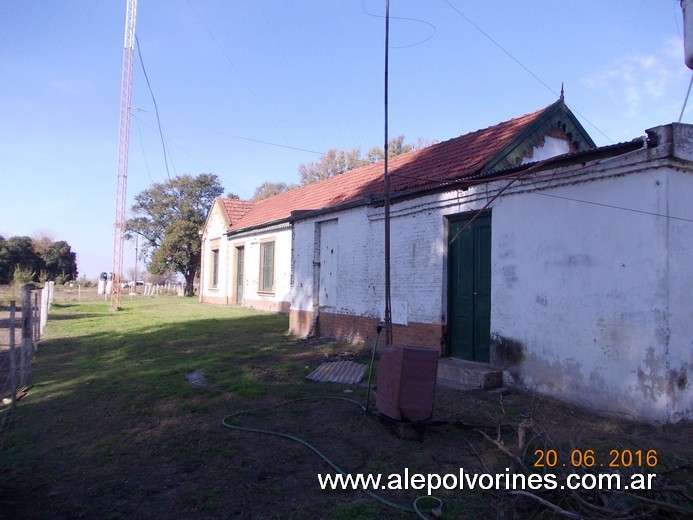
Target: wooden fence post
{"type": "Point", "coordinates": [13, 359]}
{"type": "Point", "coordinates": [35, 321]}
{"type": "Point", "coordinates": [27, 345]}
{"type": "Point", "coordinates": [44, 308]}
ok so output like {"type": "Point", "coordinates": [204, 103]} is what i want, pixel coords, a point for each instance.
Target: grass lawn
{"type": "Point", "coordinates": [111, 399]}
{"type": "Point", "coordinates": [116, 426]}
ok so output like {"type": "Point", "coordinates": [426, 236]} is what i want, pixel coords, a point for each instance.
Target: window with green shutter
{"type": "Point", "coordinates": [267, 267]}
{"type": "Point", "coordinates": [215, 268]}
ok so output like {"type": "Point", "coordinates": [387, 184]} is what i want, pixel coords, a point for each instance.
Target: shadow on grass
{"type": "Point", "coordinates": [112, 422]}
{"type": "Point", "coordinates": [75, 316]}
{"type": "Point", "coordinates": [112, 428]}
{"type": "Point", "coordinates": [156, 357]}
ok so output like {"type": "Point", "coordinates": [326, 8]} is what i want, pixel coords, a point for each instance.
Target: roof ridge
{"type": "Point", "coordinates": [463, 155]}
{"type": "Point", "coordinates": [528, 115]}
{"type": "Point", "coordinates": [233, 210]}
{"type": "Point", "coordinates": [514, 119]}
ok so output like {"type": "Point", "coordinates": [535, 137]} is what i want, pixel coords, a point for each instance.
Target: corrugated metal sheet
{"type": "Point", "coordinates": [347, 372]}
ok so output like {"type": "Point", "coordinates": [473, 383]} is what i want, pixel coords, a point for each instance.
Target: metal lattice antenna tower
{"type": "Point", "coordinates": [123, 143]}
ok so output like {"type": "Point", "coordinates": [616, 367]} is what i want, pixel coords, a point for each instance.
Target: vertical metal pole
{"type": "Point", "coordinates": [388, 298]}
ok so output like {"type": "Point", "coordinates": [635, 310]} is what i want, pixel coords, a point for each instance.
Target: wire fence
{"type": "Point", "coordinates": [144, 289]}
{"type": "Point", "coordinates": [21, 329]}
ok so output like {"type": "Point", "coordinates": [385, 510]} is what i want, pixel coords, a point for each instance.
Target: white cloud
{"type": "Point", "coordinates": [639, 91]}
{"type": "Point", "coordinates": [674, 49]}
{"type": "Point", "coordinates": [640, 82]}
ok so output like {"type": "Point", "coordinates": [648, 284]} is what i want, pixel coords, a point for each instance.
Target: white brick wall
{"type": "Point", "coordinates": [358, 272]}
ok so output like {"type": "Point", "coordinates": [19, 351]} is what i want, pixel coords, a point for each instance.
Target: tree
{"type": "Point", "coordinates": [169, 216]}
{"type": "Point", "coordinates": [158, 278]}
{"type": "Point", "coordinates": [24, 259]}
{"type": "Point", "coordinates": [4, 262]}
{"type": "Point", "coordinates": [19, 253]}
{"type": "Point", "coordinates": [397, 146]}
{"type": "Point", "coordinates": [335, 162]}
{"type": "Point", "coordinates": [42, 242]}
{"type": "Point", "coordinates": [270, 189]}
{"type": "Point", "coordinates": [60, 262]}
{"type": "Point", "coordinates": [149, 277]}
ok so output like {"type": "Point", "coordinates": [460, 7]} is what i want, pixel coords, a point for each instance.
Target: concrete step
{"type": "Point", "coordinates": [468, 374]}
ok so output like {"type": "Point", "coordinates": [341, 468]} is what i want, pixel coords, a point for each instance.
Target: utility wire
{"type": "Point", "coordinates": [271, 143]}
{"type": "Point", "coordinates": [240, 137]}
{"type": "Point", "coordinates": [156, 108]}
{"type": "Point", "coordinates": [488, 36]}
{"type": "Point", "coordinates": [611, 206]}
{"type": "Point", "coordinates": [492, 40]}
{"type": "Point", "coordinates": [685, 101]}
{"type": "Point", "coordinates": [416, 20]}
{"type": "Point", "coordinates": [235, 69]}
{"type": "Point", "coordinates": [144, 155]}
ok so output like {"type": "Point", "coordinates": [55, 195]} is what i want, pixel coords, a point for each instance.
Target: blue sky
{"type": "Point", "coordinates": [249, 90]}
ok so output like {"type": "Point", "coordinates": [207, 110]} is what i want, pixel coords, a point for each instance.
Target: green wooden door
{"type": "Point", "coordinates": [469, 289]}
{"type": "Point", "coordinates": [240, 253]}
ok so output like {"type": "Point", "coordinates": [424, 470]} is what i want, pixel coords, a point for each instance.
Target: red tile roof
{"type": "Point", "coordinates": [427, 167]}
{"type": "Point", "coordinates": [233, 210]}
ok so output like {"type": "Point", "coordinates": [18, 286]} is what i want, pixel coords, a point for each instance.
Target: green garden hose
{"type": "Point", "coordinates": [414, 508]}
{"type": "Point", "coordinates": [370, 367]}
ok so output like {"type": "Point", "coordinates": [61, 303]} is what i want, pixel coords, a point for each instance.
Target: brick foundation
{"type": "Point", "coordinates": [266, 305]}
{"type": "Point", "coordinates": [261, 305]}
{"type": "Point", "coordinates": [300, 322]}
{"type": "Point", "coordinates": [210, 298]}
{"type": "Point", "coordinates": [359, 329]}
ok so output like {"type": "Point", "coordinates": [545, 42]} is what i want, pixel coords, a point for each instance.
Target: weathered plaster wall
{"type": "Point", "coordinates": [214, 234]}
{"type": "Point", "coordinates": [252, 296]}
{"type": "Point", "coordinates": [591, 303]}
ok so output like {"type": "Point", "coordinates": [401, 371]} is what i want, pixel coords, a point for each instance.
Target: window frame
{"type": "Point", "coordinates": [263, 287]}
{"type": "Point", "coordinates": [214, 274]}
{"type": "Point", "coordinates": [239, 251]}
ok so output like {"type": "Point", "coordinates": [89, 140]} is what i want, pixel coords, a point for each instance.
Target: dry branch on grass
{"type": "Point", "coordinates": [666, 500]}
{"type": "Point", "coordinates": [545, 503]}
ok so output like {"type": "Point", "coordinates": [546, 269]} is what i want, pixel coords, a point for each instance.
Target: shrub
{"type": "Point", "coordinates": [23, 275]}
